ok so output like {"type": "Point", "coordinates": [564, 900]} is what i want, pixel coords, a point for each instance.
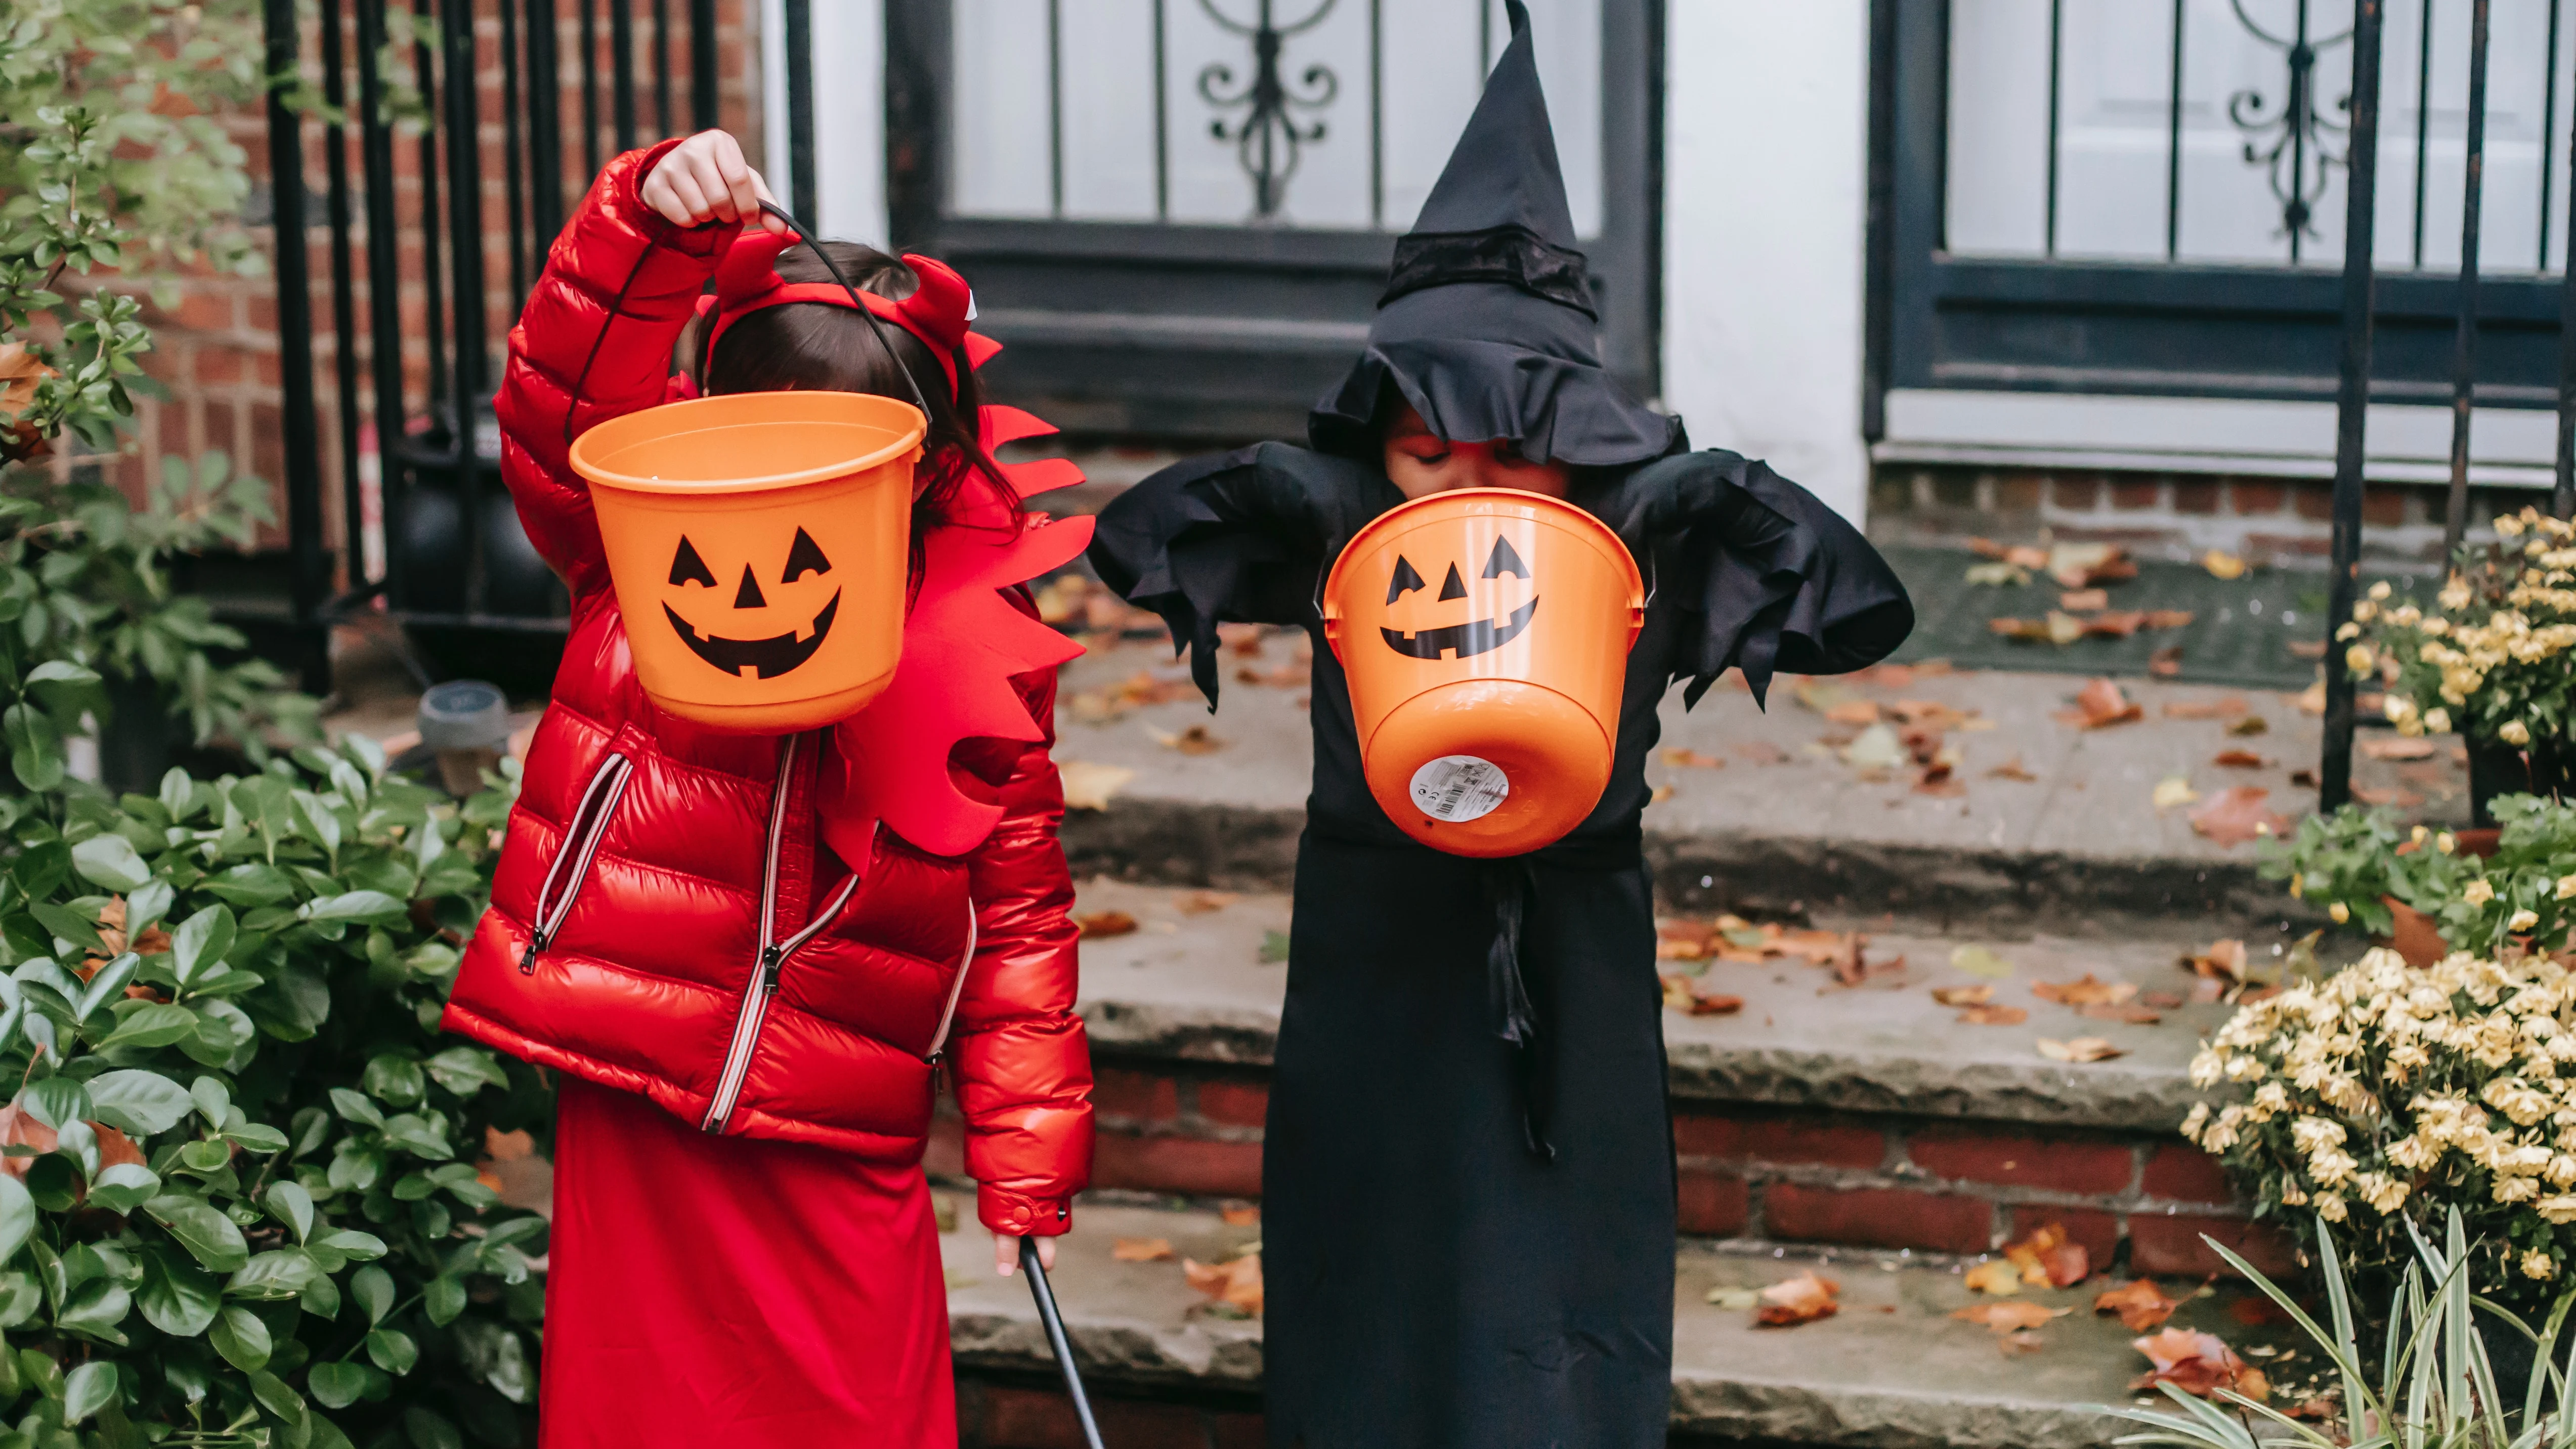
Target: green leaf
{"type": "Point", "coordinates": [395, 1081]}
{"type": "Point", "coordinates": [35, 746]}
{"type": "Point", "coordinates": [67, 924]}
{"type": "Point", "coordinates": [144, 908]}
{"type": "Point", "coordinates": [428, 1430]}
{"type": "Point", "coordinates": [110, 861]}
{"type": "Point", "coordinates": [201, 941]}
{"type": "Point", "coordinates": [176, 1297]}
{"type": "Point", "coordinates": [20, 1296]}
{"type": "Point", "coordinates": [442, 1299]}
{"type": "Point", "coordinates": [57, 1100]}
{"type": "Point", "coordinates": [156, 1025]}
{"type": "Point", "coordinates": [417, 1135]}
{"type": "Point", "coordinates": [353, 906]}
{"type": "Point", "coordinates": [202, 1230]}
{"type": "Point", "coordinates": [274, 1396]}
{"type": "Point", "coordinates": [123, 1187]}
{"type": "Point", "coordinates": [465, 1070]}
{"type": "Point", "coordinates": [351, 1243]}
{"type": "Point", "coordinates": [337, 1385]}
{"type": "Point", "coordinates": [277, 1274]}
{"type": "Point", "coordinates": [213, 1099]}
{"type": "Point", "coordinates": [107, 984]}
{"type": "Point", "coordinates": [356, 1108]}
{"type": "Point", "coordinates": [290, 1204]}
{"type": "Point", "coordinates": [373, 1290]}
{"type": "Point", "coordinates": [96, 1307]}
{"type": "Point", "coordinates": [257, 1137]}
{"type": "Point", "coordinates": [240, 1337]}
{"type": "Point", "coordinates": [208, 1156]}
{"type": "Point", "coordinates": [88, 1389]}
{"type": "Point", "coordinates": [142, 1103]}
{"type": "Point", "coordinates": [392, 1350]}
{"type": "Point", "coordinates": [1274, 947]}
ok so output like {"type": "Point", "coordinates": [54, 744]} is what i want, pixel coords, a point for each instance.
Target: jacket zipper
{"type": "Point", "coordinates": [948, 1015]}
{"type": "Point", "coordinates": [773, 953]}
{"type": "Point", "coordinates": [581, 844]}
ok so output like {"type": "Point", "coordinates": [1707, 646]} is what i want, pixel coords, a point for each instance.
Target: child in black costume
{"type": "Point", "coordinates": [1468, 1173]}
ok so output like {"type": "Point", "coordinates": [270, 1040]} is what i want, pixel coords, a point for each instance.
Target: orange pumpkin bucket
{"type": "Point", "coordinates": [1485, 632]}
{"type": "Point", "coordinates": [759, 543]}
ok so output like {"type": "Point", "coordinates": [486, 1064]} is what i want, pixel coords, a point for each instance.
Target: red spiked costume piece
{"type": "Point", "coordinates": [750, 956]}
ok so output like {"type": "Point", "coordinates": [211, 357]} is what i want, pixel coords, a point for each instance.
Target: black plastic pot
{"type": "Point", "coordinates": [2496, 768]}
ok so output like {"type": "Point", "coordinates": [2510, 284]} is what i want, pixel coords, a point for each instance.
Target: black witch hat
{"type": "Point", "coordinates": [1487, 326]}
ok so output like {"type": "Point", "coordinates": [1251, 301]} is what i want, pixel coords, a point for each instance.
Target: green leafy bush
{"type": "Point", "coordinates": [240, 1204]}
{"type": "Point", "coordinates": [2521, 898]}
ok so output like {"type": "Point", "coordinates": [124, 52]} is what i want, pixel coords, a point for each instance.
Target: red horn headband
{"type": "Point", "coordinates": [936, 314]}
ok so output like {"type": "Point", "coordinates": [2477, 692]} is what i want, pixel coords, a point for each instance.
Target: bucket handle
{"type": "Point", "coordinates": [572, 400]}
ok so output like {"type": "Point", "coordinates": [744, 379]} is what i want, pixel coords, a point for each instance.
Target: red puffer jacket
{"type": "Point", "coordinates": [665, 917]}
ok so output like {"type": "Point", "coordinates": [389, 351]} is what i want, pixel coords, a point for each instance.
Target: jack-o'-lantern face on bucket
{"type": "Point", "coordinates": [767, 628]}
{"type": "Point", "coordinates": [1490, 615]}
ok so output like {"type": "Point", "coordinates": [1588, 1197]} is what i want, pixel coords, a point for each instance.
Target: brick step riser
{"type": "Point", "coordinates": [1169, 843]}
{"type": "Point", "coordinates": [2139, 1202]}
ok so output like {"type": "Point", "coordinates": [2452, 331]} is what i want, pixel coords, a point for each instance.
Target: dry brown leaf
{"type": "Point", "coordinates": [2010, 1317]}
{"type": "Point", "coordinates": [1761, 752]}
{"type": "Point", "coordinates": [2132, 1012]}
{"type": "Point", "coordinates": [2222, 564]}
{"type": "Point", "coordinates": [2084, 601]}
{"type": "Point", "coordinates": [2115, 626]}
{"type": "Point", "coordinates": [2307, 648]}
{"type": "Point", "coordinates": [1098, 924]}
{"type": "Point", "coordinates": [2168, 618]}
{"type": "Point", "coordinates": [2139, 1305]}
{"type": "Point", "coordinates": [1236, 1284]}
{"type": "Point", "coordinates": [1977, 995]}
{"type": "Point", "coordinates": [2166, 662]}
{"type": "Point", "coordinates": [2079, 1049]}
{"type": "Point", "coordinates": [1286, 676]}
{"type": "Point", "coordinates": [2162, 1000]}
{"type": "Point", "coordinates": [2252, 724]}
{"type": "Point", "coordinates": [1994, 1016]}
{"type": "Point", "coordinates": [2240, 760]}
{"type": "Point", "coordinates": [2198, 1364]}
{"type": "Point", "coordinates": [2397, 747]}
{"type": "Point", "coordinates": [1997, 1276]}
{"type": "Point", "coordinates": [1198, 739]}
{"type": "Point", "coordinates": [2228, 707]}
{"type": "Point", "coordinates": [2047, 1260]}
{"type": "Point", "coordinates": [2223, 961]}
{"type": "Point", "coordinates": [1715, 1004]}
{"type": "Point", "coordinates": [1240, 1215]}
{"type": "Point", "coordinates": [1141, 1250]}
{"type": "Point", "coordinates": [1854, 712]}
{"type": "Point", "coordinates": [1088, 786]}
{"type": "Point", "coordinates": [1693, 760]}
{"type": "Point", "coordinates": [1109, 701]}
{"type": "Point", "coordinates": [1802, 1299]}
{"type": "Point", "coordinates": [1677, 993]}
{"type": "Point", "coordinates": [2075, 565]}
{"type": "Point", "coordinates": [1684, 940]}
{"type": "Point", "coordinates": [2011, 769]}
{"type": "Point", "coordinates": [2101, 704]}
{"type": "Point", "coordinates": [2085, 991]}
{"type": "Point", "coordinates": [2236, 815]}
{"type": "Point", "coordinates": [1200, 903]}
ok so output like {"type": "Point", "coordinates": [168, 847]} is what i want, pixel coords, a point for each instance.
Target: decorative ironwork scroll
{"type": "Point", "coordinates": [1268, 138]}
{"type": "Point", "coordinates": [2290, 139]}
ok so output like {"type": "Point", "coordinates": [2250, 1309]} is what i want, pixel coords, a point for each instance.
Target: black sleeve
{"type": "Point", "coordinates": [1781, 583]}
{"type": "Point", "coordinates": [1240, 537]}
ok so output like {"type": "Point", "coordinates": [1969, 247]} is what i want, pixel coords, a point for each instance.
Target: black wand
{"type": "Point", "coordinates": [1054, 1322]}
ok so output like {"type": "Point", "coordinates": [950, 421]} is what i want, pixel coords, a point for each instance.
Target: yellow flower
{"type": "Point", "coordinates": [2420, 833]}
{"type": "Point", "coordinates": [2438, 720]}
{"type": "Point", "coordinates": [2508, 526]}
{"type": "Point", "coordinates": [2358, 659]}
{"type": "Point", "coordinates": [2445, 843]}
{"type": "Point", "coordinates": [2477, 892]}
{"type": "Point", "coordinates": [2379, 590]}
{"type": "Point", "coordinates": [2567, 888]}
{"type": "Point", "coordinates": [2522, 920]}
{"type": "Point", "coordinates": [2514, 732]}
{"type": "Point", "coordinates": [2340, 912]}
{"type": "Point", "coordinates": [2561, 1209]}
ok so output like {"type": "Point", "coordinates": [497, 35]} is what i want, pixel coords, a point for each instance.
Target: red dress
{"type": "Point", "coordinates": [750, 1031]}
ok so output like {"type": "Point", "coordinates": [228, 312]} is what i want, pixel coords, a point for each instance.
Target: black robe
{"type": "Point", "coordinates": [1467, 1242]}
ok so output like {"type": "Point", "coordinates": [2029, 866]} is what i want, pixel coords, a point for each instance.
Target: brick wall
{"type": "Point", "coordinates": [2138, 1202]}
{"type": "Point", "coordinates": [216, 347]}
{"type": "Point", "coordinates": [1013, 1416]}
{"type": "Point", "coordinates": [2269, 520]}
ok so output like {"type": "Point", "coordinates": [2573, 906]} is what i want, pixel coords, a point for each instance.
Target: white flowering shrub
{"type": "Point", "coordinates": [2497, 658]}
{"type": "Point", "coordinates": [2385, 1094]}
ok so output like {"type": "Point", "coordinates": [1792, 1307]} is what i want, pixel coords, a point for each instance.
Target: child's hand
{"type": "Point", "coordinates": [704, 179]}
{"type": "Point", "coordinates": [1006, 1254]}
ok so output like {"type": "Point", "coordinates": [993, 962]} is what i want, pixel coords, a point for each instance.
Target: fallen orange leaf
{"type": "Point", "coordinates": [2197, 1363]}
{"type": "Point", "coordinates": [1693, 760]}
{"type": "Point", "coordinates": [2236, 815]}
{"type": "Point", "coordinates": [1240, 1215]}
{"type": "Point", "coordinates": [1998, 1276]}
{"type": "Point", "coordinates": [2240, 760]}
{"type": "Point", "coordinates": [2047, 1260]}
{"type": "Point", "coordinates": [1964, 995]}
{"type": "Point", "coordinates": [1802, 1299]}
{"type": "Point", "coordinates": [2228, 707]}
{"type": "Point", "coordinates": [1141, 1250]}
{"type": "Point", "coordinates": [2139, 1305]}
{"type": "Point", "coordinates": [1236, 1284]}
{"type": "Point", "coordinates": [2084, 992]}
{"type": "Point", "coordinates": [1994, 1016]}
{"type": "Point", "coordinates": [2080, 1049]}
{"type": "Point", "coordinates": [1199, 903]}
{"type": "Point", "coordinates": [2010, 1317]}
{"type": "Point", "coordinates": [2223, 961]}
{"type": "Point", "coordinates": [1105, 923]}
{"type": "Point", "coordinates": [2101, 704]}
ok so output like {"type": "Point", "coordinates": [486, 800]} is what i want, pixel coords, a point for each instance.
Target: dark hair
{"type": "Point", "coordinates": [819, 346]}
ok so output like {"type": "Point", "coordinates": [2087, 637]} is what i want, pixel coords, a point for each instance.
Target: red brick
{"type": "Point", "coordinates": [1132, 1425]}
{"type": "Point", "coordinates": [2383, 505]}
{"type": "Point", "coordinates": [1177, 1164]}
{"type": "Point", "coordinates": [1236, 1104]}
{"type": "Point", "coordinates": [1707, 1134]}
{"type": "Point", "coordinates": [2187, 1174]}
{"type": "Point", "coordinates": [2134, 493]}
{"type": "Point", "coordinates": [1877, 1217]}
{"type": "Point", "coordinates": [2170, 1246]}
{"type": "Point", "coordinates": [1713, 1204]}
{"type": "Point", "coordinates": [2315, 501]}
{"type": "Point", "coordinates": [1810, 1140]}
{"type": "Point", "coordinates": [2057, 1166]}
{"type": "Point", "coordinates": [2018, 492]}
{"type": "Point", "coordinates": [1016, 1418]}
{"type": "Point", "coordinates": [2247, 498]}
{"type": "Point", "coordinates": [2097, 1230]}
{"type": "Point", "coordinates": [2195, 495]}
{"type": "Point", "coordinates": [1137, 1096]}
{"type": "Point", "coordinates": [2080, 494]}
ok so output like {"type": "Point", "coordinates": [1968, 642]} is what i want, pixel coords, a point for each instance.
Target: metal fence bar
{"type": "Point", "coordinates": [2173, 143]}
{"type": "Point", "coordinates": [384, 287]}
{"type": "Point", "coordinates": [2423, 120]}
{"type": "Point", "coordinates": [662, 115]}
{"type": "Point", "coordinates": [2562, 497]}
{"type": "Point", "coordinates": [621, 69]}
{"type": "Point", "coordinates": [311, 578]}
{"type": "Point", "coordinates": [545, 128]}
{"type": "Point", "coordinates": [2548, 135]}
{"type": "Point", "coordinates": [800, 108]}
{"type": "Point", "coordinates": [2056, 65]}
{"type": "Point", "coordinates": [1377, 115]}
{"type": "Point", "coordinates": [433, 286]}
{"type": "Point", "coordinates": [1162, 120]}
{"type": "Point", "coordinates": [514, 185]}
{"type": "Point", "coordinates": [1055, 108]}
{"type": "Point", "coordinates": [465, 219]}
{"type": "Point", "coordinates": [590, 157]}
{"type": "Point", "coordinates": [702, 65]}
{"type": "Point", "coordinates": [2352, 394]}
{"type": "Point", "coordinates": [2464, 346]}
{"type": "Point", "coordinates": [344, 321]}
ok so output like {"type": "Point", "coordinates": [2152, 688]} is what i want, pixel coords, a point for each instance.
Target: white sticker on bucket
{"type": "Point", "coordinates": [1458, 788]}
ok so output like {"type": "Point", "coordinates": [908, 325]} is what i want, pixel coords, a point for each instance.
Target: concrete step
{"type": "Point", "coordinates": [1766, 816]}
{"type": "Point", "coordinates": [1891, 1370]}
{"type": "Point", "coordinates": [1816, 1114]}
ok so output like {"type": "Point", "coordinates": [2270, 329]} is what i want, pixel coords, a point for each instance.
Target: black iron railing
{"type": "Point", "coordinates": [453, 557]}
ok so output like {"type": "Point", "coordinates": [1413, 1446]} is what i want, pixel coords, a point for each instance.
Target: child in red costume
{"type": "Point", "coordinates": [750, 956]}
